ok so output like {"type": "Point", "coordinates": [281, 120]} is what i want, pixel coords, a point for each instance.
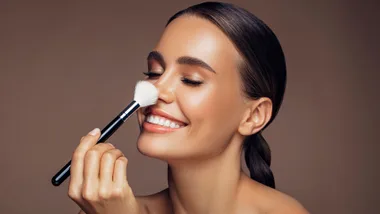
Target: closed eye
{"type": "Point", "coordinates": [190, 82]}
{"type": "Point", "coordinates": [151, 75]}
{"type": "Point", "coordinates": [187, 81]}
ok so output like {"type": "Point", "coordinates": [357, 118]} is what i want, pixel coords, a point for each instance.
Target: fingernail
{"type": "Point", "coordinates": [94, 132]}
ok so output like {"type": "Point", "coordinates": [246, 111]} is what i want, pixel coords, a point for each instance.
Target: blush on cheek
{"type": "Point", "coordinates": [196, 105]}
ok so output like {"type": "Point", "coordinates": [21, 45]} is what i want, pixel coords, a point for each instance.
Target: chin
{"type": "Point", "coordinates": [162, 148]}
{"type": "Point", "coordinates": [153, 147]}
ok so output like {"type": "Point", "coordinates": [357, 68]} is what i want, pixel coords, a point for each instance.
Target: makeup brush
{"type": "Point", "coordinates": [145, 94]}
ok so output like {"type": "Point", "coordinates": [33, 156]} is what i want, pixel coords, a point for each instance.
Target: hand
{"type": "Point", "coordinates": [98, 182]}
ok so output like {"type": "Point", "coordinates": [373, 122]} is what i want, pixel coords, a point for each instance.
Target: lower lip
{"type": "Point", "coordinates": [150, 127]}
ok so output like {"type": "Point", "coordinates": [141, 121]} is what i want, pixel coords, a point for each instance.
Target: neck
{"type": "Point", "coordinates": [207, 186]}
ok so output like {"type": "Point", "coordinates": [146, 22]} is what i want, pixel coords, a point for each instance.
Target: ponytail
{"type": "Point", "coordinates": [258, 159]}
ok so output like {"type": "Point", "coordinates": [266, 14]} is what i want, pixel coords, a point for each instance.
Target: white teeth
{"type": "Point", "coordinates": [161, 121]}
{"type": "Point", "coordinates": [156, 119]}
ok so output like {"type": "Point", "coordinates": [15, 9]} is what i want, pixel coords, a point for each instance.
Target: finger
{"type": "Point", "coordinates": [81, 212]}
{"type": "Point", "coordinates": [107, 165]}
{"type": "Point", "coordinates": [86, 143]}
{"type": "Point", "coordinates": [92, 166]}
{"type": "Point", "coordinates": [106, 172]}
{"type": "Point", "coordinates": [77, 163]}
{"type": "Point", "coordinates": [120, 172]}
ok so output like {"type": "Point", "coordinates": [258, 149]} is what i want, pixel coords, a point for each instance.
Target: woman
{"type": "Point", "coordinates": [221, 76]}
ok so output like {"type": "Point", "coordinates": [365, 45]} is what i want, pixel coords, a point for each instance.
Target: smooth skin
{"type": "Point", "coordinates": [204, 157]}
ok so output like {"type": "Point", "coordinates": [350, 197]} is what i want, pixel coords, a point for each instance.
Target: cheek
{"type": "Point", "coordinates": [212, 102]}
{"type": "Point", "coordinates": [212, 112]}
{"type": "Point", "coordinates": [223, 112]}
{"type": "Point", "coordinates": [197, 102]}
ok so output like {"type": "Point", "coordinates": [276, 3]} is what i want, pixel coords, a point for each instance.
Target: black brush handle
{"type": "Point", "coordinates": [64, 173]}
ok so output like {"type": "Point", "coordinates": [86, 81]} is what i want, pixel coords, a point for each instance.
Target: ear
{"type": "Point", "coordinates": [256, 116]}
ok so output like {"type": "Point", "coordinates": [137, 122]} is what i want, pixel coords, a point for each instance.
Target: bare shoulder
{"type": "Point", "coordinates": [286, 204]}
{"type": "Point", "coordinates": [259, 198]}
{"type": "Point", "coordinates": [156, 203]}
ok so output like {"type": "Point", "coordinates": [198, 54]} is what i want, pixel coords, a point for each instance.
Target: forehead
{"type": "Point", "coordinates": [197, 37]}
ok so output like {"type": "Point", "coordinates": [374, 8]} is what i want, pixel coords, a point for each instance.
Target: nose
{"type": "Point", "coordinates": [165, 90]}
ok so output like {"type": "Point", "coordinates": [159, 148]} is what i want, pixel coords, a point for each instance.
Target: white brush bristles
{"type": "Point", "coordinates": [145, 93]}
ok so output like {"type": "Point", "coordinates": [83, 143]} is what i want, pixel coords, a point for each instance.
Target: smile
{"type": "Point", "coordinates": [162, 121]}
{"type": "Point", "coordinates": [158, 121]}
{"type": "Point", "coordinates": [161, 125]}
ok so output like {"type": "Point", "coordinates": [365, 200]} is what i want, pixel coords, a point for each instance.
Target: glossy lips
{"type": "Point", "coordinates": [158, 121]}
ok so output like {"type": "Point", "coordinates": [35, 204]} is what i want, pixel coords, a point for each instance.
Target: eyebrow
{"type": "Point", "coordinates": [155, 55]}
{"type": "Point", "coordinates": [188, 60]}
{"type": "Point", "coordinates": [183, 60]}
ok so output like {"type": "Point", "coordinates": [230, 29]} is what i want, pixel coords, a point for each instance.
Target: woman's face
{"type": "Point", "coordinates": [200, 104]}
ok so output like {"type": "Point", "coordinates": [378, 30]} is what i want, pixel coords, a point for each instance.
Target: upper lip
{"type": "Point", "coordinates": [162, 113]}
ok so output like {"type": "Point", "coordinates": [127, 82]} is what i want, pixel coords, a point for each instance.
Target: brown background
{"type": "Point", "coordinates": [70, 66]}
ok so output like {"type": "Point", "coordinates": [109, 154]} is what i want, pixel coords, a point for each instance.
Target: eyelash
{"type": "Point", "coordinates": [187, 81]}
